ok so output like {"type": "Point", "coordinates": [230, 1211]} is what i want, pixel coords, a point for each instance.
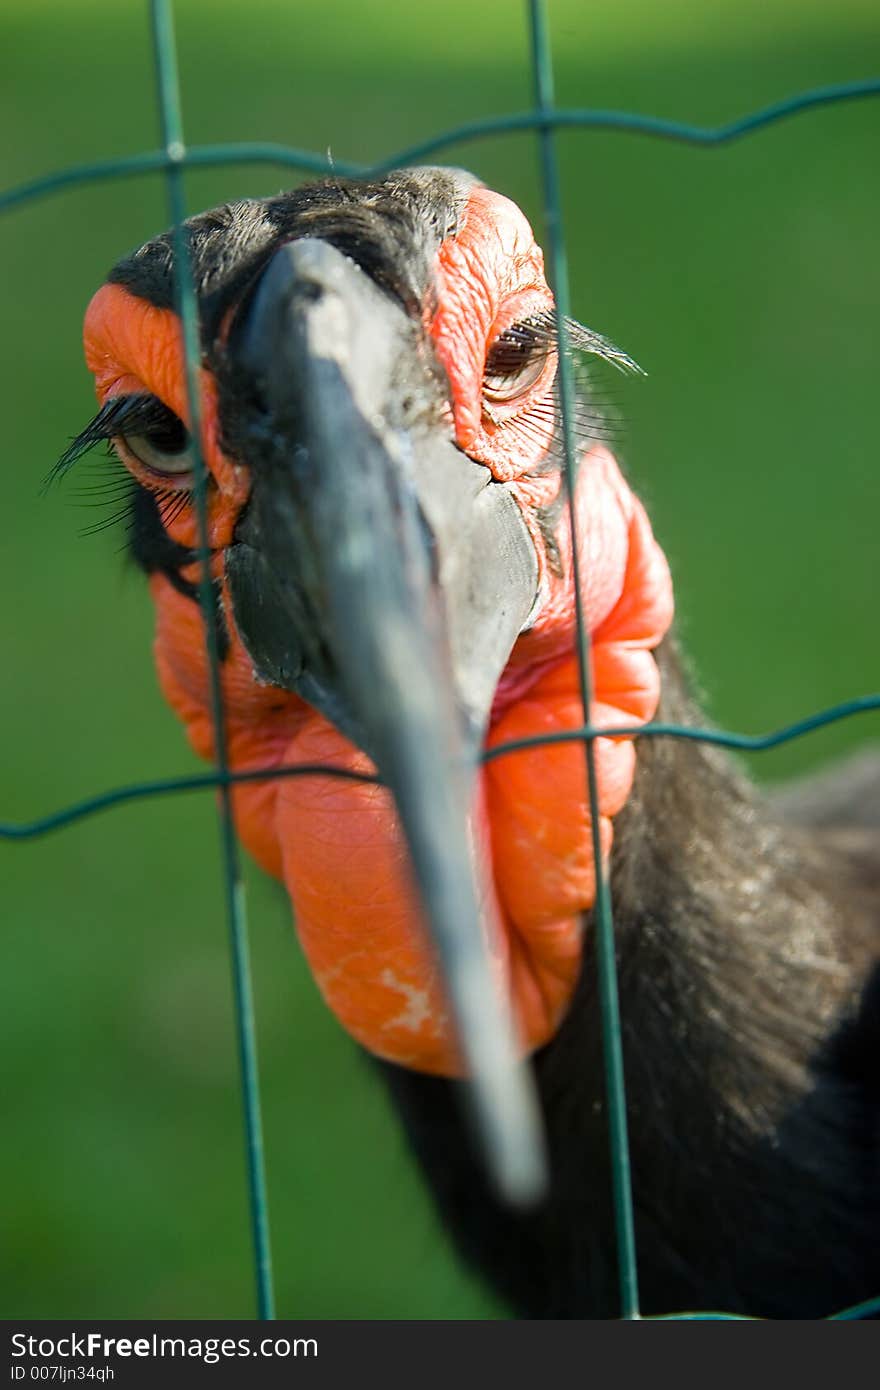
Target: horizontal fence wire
{"type": "Point", "coordinates": [172, 160]}
{"type": "Point", "coordinates": [308, 161]}
{"type": "Point", "coordinates": [204, 781]}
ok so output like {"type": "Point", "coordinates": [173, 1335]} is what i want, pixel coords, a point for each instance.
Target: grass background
{"type": "Point", "coordinates": [745, 280]}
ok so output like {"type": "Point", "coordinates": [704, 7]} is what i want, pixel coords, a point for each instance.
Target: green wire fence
{"type": "Point", "coordinates": [545, 118]}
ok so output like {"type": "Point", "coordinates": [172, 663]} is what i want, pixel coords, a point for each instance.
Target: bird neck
{"type": "Point", "coordinates": [752, 1158]}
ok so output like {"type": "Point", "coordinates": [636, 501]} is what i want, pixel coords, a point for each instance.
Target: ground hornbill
{"type": "Point", "coordinates": [393, 589]}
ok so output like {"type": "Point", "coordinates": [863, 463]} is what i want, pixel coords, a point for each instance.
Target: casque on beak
{"type": "Point", "coordinates": [384, 576]}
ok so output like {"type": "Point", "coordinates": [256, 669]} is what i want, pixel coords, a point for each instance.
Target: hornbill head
{"type": "Point", "coordinates": [391, 563]}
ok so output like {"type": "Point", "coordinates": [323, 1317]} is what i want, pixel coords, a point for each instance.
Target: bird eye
{"type": "Point", "coordinates": [164, 448]}
{"type": "Point", "coordinates": [515, 362]}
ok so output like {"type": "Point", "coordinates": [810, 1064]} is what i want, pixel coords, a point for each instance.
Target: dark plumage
{"type": "Point", "coordinates": [390, 228]}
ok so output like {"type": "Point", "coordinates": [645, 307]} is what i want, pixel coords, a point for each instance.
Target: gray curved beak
{"type": "Point", "coordinates": [384, 576]}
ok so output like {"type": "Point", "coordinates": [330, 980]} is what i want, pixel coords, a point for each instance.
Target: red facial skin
{"type": "Point", "coordinates": [338, 845]}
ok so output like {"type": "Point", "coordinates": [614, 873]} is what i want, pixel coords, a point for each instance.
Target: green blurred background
{"type": "Point", "coordinates": [745, 280]}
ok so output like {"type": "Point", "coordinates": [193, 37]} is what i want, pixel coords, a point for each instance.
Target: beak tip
{"type": "Point", "coordinates": [512, 1136]}
{"type": "Point", "coordinates": [522, 1180]}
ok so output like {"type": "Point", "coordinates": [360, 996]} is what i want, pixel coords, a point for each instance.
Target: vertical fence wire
{"type": "Point", "coordinates": [612, 1043]}
{"type": "Point", "coordinates": [165, 54]}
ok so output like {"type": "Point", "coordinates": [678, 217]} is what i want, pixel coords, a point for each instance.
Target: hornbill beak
{"type": "Point", "coordinates": [384, 576]}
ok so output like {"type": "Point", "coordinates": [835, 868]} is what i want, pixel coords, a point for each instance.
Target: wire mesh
{"type": "Point", "coordinates": [172, 159]}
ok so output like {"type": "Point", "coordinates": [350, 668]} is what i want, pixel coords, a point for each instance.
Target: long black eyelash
{"type": "Point", "coordinates": [138, 413]}
{"type": "Point", "coordinates": [542, 331]}
{"type": "Point", "coordinates": [594, 420]}
{"type": "Point", "coordinates": [119, 415]}
{"type": "Point", "coordinates": [104, 484]}
{"type": "Point", "coordinates": [124, 513]}
{"type": "Point", "coordinates": [170, 502]}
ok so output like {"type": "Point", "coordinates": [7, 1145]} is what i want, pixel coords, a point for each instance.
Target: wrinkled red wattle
{"type": "Point", "coordinates": [338, 845]}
